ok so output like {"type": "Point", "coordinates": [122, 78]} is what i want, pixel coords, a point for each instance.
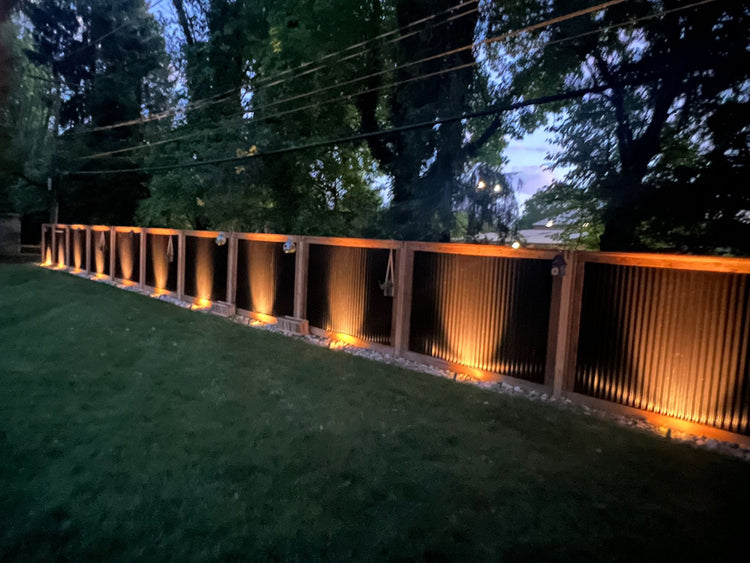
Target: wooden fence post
{"type": "Point", "coordinates": [180, 264]}
{"type": "Point", "coordinates": [142, 259]}
{"type": "Point", "coordinates": [53, 245]}
{"type": "Point", "coordinates": [232, 244]}
{"type": "Point", "coordinates": [87, 245]}
{"type": "Point", "coordinates": [402, 302]}
{"type": "Point", "coordinates": [68, 261]}
{"type": "Point", "coordinates": [301, 264]}
{"type": "Point", "coordinates": [112, 252]}
{"type": "Point", "coordinates": [563, 327]}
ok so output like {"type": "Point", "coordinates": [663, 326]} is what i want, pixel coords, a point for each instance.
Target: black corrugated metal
{"type": "Point", "coordinates": [673, 342]}
{"type": "Point", "coordinates": [60, 259]}
{"type": "Point", "coordinates": [161, 261]}
{"type": "Point", "coordinates": [483, 312]}
{"type": "Point", "coordinates": [127, 259]}
{"type": "Point", "coordinates": [205, 268]}
{"type": "Point", "coordinates": [100, 244]}
{"type": "Point", "coordinates": [78, 248]}
{"type": "Point", "coordinates": [47, 245]}
{"type": "Point", "coordinates": [265, 278]}
{"type": "Point", "coordinates": [344, 295]}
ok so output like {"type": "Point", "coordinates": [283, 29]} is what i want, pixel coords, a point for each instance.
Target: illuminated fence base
{"type": "Point", "coordinates": [662, 335]}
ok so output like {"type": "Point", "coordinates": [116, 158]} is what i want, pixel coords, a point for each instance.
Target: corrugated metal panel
{"type": "Point", "coordinates": [47, 245]}
{"type": "Point", "coordinates": [127, 258]}
{"type": "Point", "coordinates": [483, 312]}
{"type": "Point", "coordinates": [265, 278]}
{"type": "Point", "coordinates": [100, 245]}
{"type": "Point", "coordinates": [344, 295]}
{"type": "Point", "coordinates": [205, 268]}
{"type": "Point", "coordinates": [673, 342]}
{"type": "Point", "coordinates": [78, 248]}
{"type": "Point", "coordinates": [60, 250]}
{"type": "Point", "coordinates": [161, 261]}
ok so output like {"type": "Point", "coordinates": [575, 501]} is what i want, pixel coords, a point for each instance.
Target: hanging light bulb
{"type": "Point", "coordinates": [498, 188]}
{"type": "Point", "coordinates": [481, 185]}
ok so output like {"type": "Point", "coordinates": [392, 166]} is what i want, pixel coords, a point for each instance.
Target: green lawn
{"type": "Point", "coordinates": [133, 429]}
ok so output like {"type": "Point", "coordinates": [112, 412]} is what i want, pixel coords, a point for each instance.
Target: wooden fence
{"type": "Point", "coordinates": [661, 336]}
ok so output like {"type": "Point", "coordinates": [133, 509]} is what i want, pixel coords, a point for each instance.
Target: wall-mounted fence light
{"type": "Point", "coordinates": [558, 265]}
{"type": "Point", "coordinates": [221, 239]}
{"type": "Point", "coordinates": [387, 285]}
{"type": "Point", "coordinates": [290, 247]}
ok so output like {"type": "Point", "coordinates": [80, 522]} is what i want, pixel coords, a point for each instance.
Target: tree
{"type": "Point", "coordinates": [106, 64]}
{"type": "Point", "coordinates": [653, 143]}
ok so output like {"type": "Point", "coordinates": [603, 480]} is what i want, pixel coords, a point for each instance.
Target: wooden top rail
{"type": "Point", "coordinates": [648, 260]}
{"type": "Point", "coordinates": [355, 242]}
{"type": "Point", "coordinates": [482, 250]}
{"type": "Point", "coordinates": [264, 237]}
{"type": "Point", "coordinates": [669, 261]}
{"type": "Point", "coordinates": [160, 231]}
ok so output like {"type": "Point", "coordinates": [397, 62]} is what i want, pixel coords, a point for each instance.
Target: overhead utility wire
{"type": "Point", "coordinates": [491, 110]}
{"type": "Point", "coordinates": [487, 41]}
{"type": "Point", "coordinates": [273, 79]}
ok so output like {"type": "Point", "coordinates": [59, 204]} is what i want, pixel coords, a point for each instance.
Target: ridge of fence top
{"type": "Point", "coordinates": [669, 261]}
{"type": "Point", "coordinates": [491, 250]}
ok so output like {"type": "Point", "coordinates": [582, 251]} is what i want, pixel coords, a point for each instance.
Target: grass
{"type": "Point", "coordinates": [133, 429]}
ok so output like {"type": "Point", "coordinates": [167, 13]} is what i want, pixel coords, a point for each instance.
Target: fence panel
{"type": "Point", "coordinates": [161, 261]}
{"type": "Point", "coordinates": [205, 267]}
{"type": "Point", "coordinates": [78, 247]}
{"type": "Point", "coordinates": [265, 278]}
{"type": "Point", "coordinates": [344, 294]}
{"type": "Point", "coordinates": [47, 245]}
{"type": "Point", "coordinates": [486, 312]}
{"type": "Point", "coordinates": [669, 341]}
{"type": "Point", "coordinates": [127, 255]}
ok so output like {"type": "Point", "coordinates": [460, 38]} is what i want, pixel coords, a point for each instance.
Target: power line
{"type": "Point", "coordinates": [273, 79]}
{"type": "Point", "coordinates": [487, 41]}
{"type": "Point", "coordinates": [491, 110]}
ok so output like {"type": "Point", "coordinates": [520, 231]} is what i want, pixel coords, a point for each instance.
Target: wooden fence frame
{"type": "Point", "coordinates": [565, 307]}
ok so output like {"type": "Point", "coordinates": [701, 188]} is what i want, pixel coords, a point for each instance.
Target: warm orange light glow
{"type": "Point", "coordinates": [263, 318]}
{"type": "Point", "coordinates": [61, 252]}
{"type": "Point", "coordinates": [201, 304]}
{"type": "Point", "coordinates": [98, 276]}
{"type": "Point", "coordinates": [261, 265]}
{"type": "Point", "coordinates": [128, 283]}
{"type": "Point", "coordinates": [159, 247]}
{"type": "Point", "coordinates": [204, 269]}
{"type": "Point", "coordinates": [336, 344]}
{"type": "Point", "coordinates": [157, 292]}
{"type": "Point", "coordinates": [126, 254]}
{"type": "Point", "coordinates": [346, 291]}
{"type": "Point", "coordinates": [47, 257]}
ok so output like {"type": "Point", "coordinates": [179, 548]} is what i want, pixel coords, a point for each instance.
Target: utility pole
{"type": "Point", "coordinates": [53, 179]}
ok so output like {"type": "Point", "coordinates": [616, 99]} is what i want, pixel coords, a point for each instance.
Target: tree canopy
{"type": "Point", "coordinates": [206, 109]}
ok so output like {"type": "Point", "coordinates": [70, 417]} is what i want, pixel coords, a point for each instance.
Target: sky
{"type": "Point", "coordinates": [527, 159]}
